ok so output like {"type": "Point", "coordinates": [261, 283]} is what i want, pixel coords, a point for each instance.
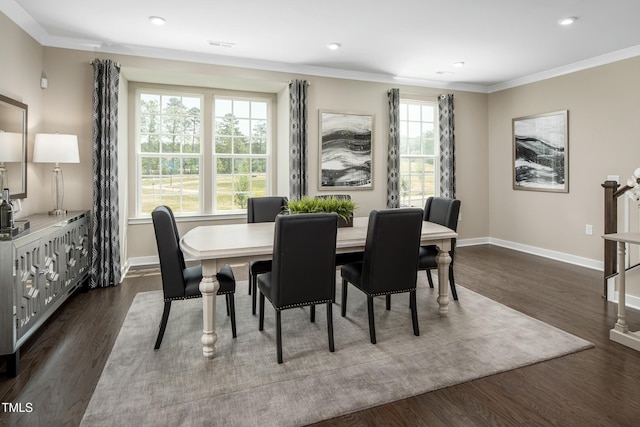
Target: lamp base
{"type": "Point", "coordinates": [58, 212]}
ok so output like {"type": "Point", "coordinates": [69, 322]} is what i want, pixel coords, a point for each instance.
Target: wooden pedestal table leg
{"type": "Point", "coordinates": [209, 288]}
{"type": "Point", "coordinates": [444, 260]}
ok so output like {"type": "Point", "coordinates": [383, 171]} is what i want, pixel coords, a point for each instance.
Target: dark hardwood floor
{"type": "Point", "coordinates": [61, 364]}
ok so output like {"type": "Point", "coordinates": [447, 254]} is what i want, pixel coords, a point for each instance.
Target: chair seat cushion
{"type": "Point", "coordinates": [260, 267]}
{"type": "Point", "coordinates": [192, 278]}
{"type": "Point", "coordinates": [227, 280]}
{"type": "Point", "coordinates": [265, 285]}
{"type": "Point", "coordinates": [352, 272]}
{"type": "Point", "coordinates": [427, 257]}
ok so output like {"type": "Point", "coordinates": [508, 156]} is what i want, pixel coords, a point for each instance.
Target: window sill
{"type": "Point", "coordinates": [193, 218]}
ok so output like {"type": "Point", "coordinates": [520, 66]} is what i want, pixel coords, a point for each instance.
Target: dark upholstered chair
{"type": "Point", "coordinates": [390, 262]}
{"type": "Point", "coordinates": [262, 209]}
{"type": "Point", "coordinates": [304, 270]}
{"type": "Point", "coordinates": [347, 257]}
{"type": "Point", "coordinates": [443, 211]}
{"type": "Point", "coordinates": [180, 282]}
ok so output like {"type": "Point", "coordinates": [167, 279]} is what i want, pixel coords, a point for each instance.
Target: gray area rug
{"type": "Point", "coordinates": [244, 385]}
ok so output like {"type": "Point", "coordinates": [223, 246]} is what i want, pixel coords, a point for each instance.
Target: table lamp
{"type": "Point", "coordinates": [10, 152]}
{"type": "Point", "coordinates": [56, 148]}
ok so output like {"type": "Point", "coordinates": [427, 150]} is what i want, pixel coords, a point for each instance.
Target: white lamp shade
{"type": "Point", "coordinates": [10, 147]}
{"type": "Point", "coordinates": [56, 148]}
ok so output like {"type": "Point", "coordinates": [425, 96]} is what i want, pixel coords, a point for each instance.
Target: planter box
{"type": "Point", "coordinates": [345, 222]}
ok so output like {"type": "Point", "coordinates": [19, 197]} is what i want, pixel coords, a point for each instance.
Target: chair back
{"type": "Point", "coordinates": [172, 263]}
{"type": "Point", "coordinates": [444, 211]}
{"type": "Point", "coordinates": [265, 209]}
{"type": "Point", "coordinates": [391, 250]}
{"type": "Point", "coordinates": [304, 264]}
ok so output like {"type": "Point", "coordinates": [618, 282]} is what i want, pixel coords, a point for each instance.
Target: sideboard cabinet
{"type": "Point", "coordinates": [39, 270]}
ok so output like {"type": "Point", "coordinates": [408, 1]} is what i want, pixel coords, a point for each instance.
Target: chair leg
{"type": "Point", "coordinates": [254, 283]}
{"type": "Point", "coordinates": [372, 324]}
{"type": "Point", "coordinates": [343, 308]}
{"type": "Point", "coordinates": [261, 322]}
{"type": "Point", "coordinates": [313, 313]}
{"type": "Point", "coordinates": [414, 313]}
{"type": "Point", "coordinates": [163, 323]}
{"type": "Point", "coordinates": [279, 335]}
{"type": "Point", "coordinates": [452, 283]}
{"type": "Point", "coordinates": [250, 286]}
{"type": "Point", "coordinates": [232, 309]}
{"type": "Point", "coordinates": [429, 278]}
{"type": "Point", "coordinates": [330, 326]}
{"type": "Point", "coordinates": [227, 304]}
{"type": "Point", "coordinates": [388, 298]}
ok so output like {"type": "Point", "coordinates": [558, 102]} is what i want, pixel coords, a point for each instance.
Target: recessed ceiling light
{"type": "Point", "coordinates": [567, 21]}
{"type": "Point", "coordinates": [444, 72]}
{"type": "Point", "coordinates": [334, 46]}
{"type": "Point", "coordinates": [458, 64]}
{"type": "Point", "coordinates": [221, 44]}
{"type": "Point", "coordinates": [157, 20]}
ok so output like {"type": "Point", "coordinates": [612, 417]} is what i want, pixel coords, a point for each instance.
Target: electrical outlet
{"type": "Point", "coordinates": [588, 229]}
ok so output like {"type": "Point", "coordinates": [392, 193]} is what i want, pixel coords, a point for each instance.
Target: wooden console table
{"type": "Point", "coordinates": [39, 269]}
{"type": "Point", "coordinates": [620, 332]}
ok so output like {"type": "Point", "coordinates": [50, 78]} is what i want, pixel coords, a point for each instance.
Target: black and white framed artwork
{"type": "Point", "coordinates": [346, 149]}
{"type": "Point", "coordinates": [541, 152]}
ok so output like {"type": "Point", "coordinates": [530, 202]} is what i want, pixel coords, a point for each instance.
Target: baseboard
{"type": "Point", "coordinates": [143, 261]}
{"type": "Point", "coordinates": [546, 253]}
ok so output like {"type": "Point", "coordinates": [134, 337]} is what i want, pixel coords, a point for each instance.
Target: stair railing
{"type": "Point", "coordinates": [612, 191]}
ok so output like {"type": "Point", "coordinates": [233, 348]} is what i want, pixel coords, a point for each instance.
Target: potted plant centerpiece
{"type": "Point", "coordinates": [342, 206]}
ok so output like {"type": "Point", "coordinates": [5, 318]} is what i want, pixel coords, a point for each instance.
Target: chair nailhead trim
{"type": "Point", "coordinates": [304, 304]}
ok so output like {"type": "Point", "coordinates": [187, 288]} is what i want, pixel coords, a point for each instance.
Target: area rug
{"type": "Point", "coordinates": [245, 386]}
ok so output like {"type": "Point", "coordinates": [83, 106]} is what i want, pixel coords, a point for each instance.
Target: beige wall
{"type": "Point", "coordinates": [22, 60]}
{"type": "Point", "coordinates": [66, 107]}
{"type": "Point", "coordinates": [604, 112]}
{"type": "Point", "coordinates": [70, 77]}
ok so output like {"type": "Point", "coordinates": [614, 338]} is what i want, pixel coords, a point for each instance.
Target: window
{"type": "Point", "coordinates": [169, 152]}
{"type": "Point", "coordinates": [201, 153]}
{"type": "Point", "coordinates": [240, 152]}
{"type": "Point", "coordinates": [419, 152]}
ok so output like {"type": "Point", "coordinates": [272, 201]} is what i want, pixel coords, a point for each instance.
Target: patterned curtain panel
{"type": "Point", "coordinates": [447, 147]}
{"type": "Point", "coordinates": [393, 160]}
{"type": "Point", "coordinates": [105, 264]}
{"type": "Point", "coordinates": [298, 139]}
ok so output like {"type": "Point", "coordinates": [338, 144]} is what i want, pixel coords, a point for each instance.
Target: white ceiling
{"type": "Point", "coordinates": [503, 43]}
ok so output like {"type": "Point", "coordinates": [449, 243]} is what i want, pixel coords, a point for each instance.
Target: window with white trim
{"type": "Point", "coordinates": [419, 152]}
{"type": "Point", "coordinates": [169, 152]}
{"type": "Point", "coordinates": [201, 153]}
{"type": "Point", "coordinates": [240, 151]}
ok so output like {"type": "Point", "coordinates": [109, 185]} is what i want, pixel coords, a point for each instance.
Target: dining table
{"type": "Point", "coordinates": [217, 245]}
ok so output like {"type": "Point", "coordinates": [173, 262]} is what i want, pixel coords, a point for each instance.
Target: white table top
{"type": "Point", "coordinates": [246, 240]}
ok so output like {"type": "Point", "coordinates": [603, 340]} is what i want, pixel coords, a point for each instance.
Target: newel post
{"type": "Point", "coordinates": [610, 226]}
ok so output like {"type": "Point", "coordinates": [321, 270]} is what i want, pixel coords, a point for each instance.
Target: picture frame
{"type": "Point", "coordinates": [346, 150]}
{"type": "Point", "coordinates": [541, 152]}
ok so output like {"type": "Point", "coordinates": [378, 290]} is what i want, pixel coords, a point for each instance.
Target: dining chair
{"type": "Point", "coordinates": [180, 282]}
{"type": "Point", "coordinates": [303, 271]}
{"type": "Point", "coordinates": [444, 211]}
{"type": "Point", "coordinates": [262, 209]}
{"type": "Point", "coordinates": [390, 263]}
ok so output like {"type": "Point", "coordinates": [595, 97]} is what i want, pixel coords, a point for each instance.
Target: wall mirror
{"type": "Point", "coordinates": [13, 147]}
